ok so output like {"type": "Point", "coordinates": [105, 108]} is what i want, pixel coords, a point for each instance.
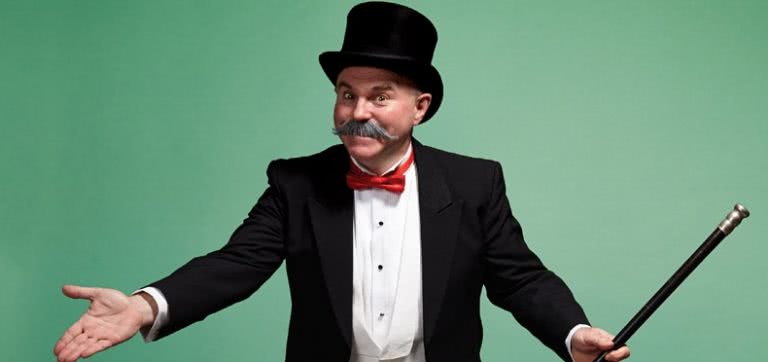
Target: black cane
{"type": "Point", "coordinates": [726, 226]}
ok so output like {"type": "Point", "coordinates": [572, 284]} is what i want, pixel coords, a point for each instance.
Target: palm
{"type": "Point", "coordinates": [109, 320]}
{"type": "Point", "coordinates": [110, 317]}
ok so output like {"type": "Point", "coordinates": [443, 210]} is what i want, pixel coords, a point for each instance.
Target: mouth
{"type": "Point", "coordinates": [362, 139]}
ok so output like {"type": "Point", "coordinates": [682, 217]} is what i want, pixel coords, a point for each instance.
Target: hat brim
{"type": "Point", "coordinates": [425, 76]}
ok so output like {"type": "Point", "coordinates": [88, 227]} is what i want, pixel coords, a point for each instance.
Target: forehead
{"type": "Point", "coordinates": [368, 77]}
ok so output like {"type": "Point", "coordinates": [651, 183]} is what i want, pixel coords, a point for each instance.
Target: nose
{"type": "Point", "coordinates": [361, 112]}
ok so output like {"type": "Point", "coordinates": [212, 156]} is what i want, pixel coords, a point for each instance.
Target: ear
{"type": "Point", "coordinates": [422, 105]}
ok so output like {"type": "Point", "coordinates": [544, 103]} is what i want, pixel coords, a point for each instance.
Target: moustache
{"type": "Point", "coordinates": [368, 128]}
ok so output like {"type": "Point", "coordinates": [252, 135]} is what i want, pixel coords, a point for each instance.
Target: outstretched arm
{"type": "Point", "coordinates": [517, 281]}
{"type": "Point", "coordinates": [111, 319]}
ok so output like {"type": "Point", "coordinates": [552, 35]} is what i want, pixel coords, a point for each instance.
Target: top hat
{"type": "Point", "coordinates": [392, 37]}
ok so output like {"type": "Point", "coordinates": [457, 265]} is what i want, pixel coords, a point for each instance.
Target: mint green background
{"type": "Point", "coordinates": [134, 135]}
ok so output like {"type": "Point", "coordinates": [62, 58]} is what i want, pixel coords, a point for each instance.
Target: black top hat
{"type": "Point", "coordinates": [392, 37]}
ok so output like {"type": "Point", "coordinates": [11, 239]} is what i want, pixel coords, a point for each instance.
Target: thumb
{"type": "Point", "coordinates": [78, 292]}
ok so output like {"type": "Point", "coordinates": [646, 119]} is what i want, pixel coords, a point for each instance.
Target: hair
{"type": "Point", "coordinates": [367, 128]}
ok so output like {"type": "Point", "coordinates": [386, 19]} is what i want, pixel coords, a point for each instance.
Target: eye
{"type": "Point", "coordinates": [381, 98]}
{"type": "Point", "coordinates": [346, 96]}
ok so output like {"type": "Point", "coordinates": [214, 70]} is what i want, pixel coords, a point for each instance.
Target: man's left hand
{"type": "Point", "coordinates": [587, 343]}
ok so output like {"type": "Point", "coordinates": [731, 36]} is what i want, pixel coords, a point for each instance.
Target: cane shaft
{"type": "Point", "coordinates": [726, 227]}
{"type": "Point", "coordinates": [666, 290]}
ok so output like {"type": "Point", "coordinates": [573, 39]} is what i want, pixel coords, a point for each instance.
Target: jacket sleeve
{"type": "Point", "coordinates": [517, 281]}
{"type": "Point", "coordinates": [209, 283]}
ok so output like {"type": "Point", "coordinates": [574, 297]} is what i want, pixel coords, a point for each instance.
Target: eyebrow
{"type": "Point", "coordinates": [387, 86]}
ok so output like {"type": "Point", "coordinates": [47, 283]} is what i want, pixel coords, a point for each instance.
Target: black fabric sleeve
{"type": "Point", "coordinates": [209, 283]}
{"type": "Point", "coordinates": [517, 281]}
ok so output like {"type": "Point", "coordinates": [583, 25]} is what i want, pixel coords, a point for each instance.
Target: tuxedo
{"type": "Point", "coordinates": [469, 240]}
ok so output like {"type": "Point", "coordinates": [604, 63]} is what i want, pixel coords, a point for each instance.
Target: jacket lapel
{"type": "Point", "coordinates": [439, 227]}
{"type": "Point", "coordinates": [331, 217]}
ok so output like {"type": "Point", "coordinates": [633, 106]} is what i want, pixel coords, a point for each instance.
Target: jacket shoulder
{"type": "Point", "coordinates": [307, 173]}
{"type": "Point", "coordinates": [472, 179]}
{"type": "Point", "coordinates": [454, 163]}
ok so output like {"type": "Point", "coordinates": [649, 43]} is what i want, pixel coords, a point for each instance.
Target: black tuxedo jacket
{"type": "Point", "coordinates": [469, 240]}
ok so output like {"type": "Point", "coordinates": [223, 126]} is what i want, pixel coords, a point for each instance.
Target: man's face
{"type": "Point", "coordinates": [365, 93]}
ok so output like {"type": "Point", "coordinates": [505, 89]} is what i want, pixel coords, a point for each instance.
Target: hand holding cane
{"type": "Point", "coordinates": [730, 222]}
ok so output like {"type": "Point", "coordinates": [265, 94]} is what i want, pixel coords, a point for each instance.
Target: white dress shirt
{"type": "Point", "coordinates": [386, 304]}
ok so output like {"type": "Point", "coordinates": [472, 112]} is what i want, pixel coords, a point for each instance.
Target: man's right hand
{"type": "Point", "coordinates": [111, 319]}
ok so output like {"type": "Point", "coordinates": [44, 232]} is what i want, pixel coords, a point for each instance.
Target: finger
{"type": "Point", "coordinates": [78, 353]}
{"type": "Point", "coordinates": [78, 292]}
{"type": "Point", "coordinates": [71, 350]}
{"type": "Point", "coordinates": [71, 332]}
{"type": "Point", "coordinates": [619, 354]}
{"type": "Point", "coordinates": [98, 346]}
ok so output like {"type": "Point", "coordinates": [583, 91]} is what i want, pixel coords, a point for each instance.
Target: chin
{"type": "Point", "coordinates": [362, 148]}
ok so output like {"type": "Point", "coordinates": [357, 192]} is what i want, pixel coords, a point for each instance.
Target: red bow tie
{"type": "Point", "coordinates": [393, 181]}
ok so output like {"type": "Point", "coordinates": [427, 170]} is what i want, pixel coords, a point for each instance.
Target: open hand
{"type": "Point", "coordinates": [588, 343]}
{"type": "Point", "coordinates": [111, 318]}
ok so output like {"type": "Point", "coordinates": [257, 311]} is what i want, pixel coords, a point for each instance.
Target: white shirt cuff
{"type": "Point", "coordinates": [568, 339]}
{"type": "Point", "coordinates": [150, 334]}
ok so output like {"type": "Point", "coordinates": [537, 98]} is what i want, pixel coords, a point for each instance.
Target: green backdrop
{"type": "Point", "coordinates": [135, 135]}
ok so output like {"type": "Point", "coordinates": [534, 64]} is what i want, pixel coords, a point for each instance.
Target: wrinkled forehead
{"type": "Point", "coordinates": [366, 77]}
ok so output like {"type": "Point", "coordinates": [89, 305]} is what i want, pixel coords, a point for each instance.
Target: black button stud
{"type": "Point", "coordinates": [381, 267]}
{"type": "Point", "coordinates": [381, 223]}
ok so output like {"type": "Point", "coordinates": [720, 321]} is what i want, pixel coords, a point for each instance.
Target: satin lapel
{"type": "Point", "coordinates": [439, 227]}
{"type": "Point", "coordinates": [331, 217]}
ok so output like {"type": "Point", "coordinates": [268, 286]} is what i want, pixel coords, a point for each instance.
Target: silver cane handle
{"type": "Point", "coordinates": [733, 219]}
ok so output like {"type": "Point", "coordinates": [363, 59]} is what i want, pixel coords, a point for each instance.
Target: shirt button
{"type": "Point", "coordinates": [381, 267]}
{"type": "Point", "coordinates": [381, 223]}
{"type": "Point", "coordinates": [381, 315]}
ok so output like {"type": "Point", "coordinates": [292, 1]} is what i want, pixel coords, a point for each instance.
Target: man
{"type": "Point", "coordinates": [387, 242]}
